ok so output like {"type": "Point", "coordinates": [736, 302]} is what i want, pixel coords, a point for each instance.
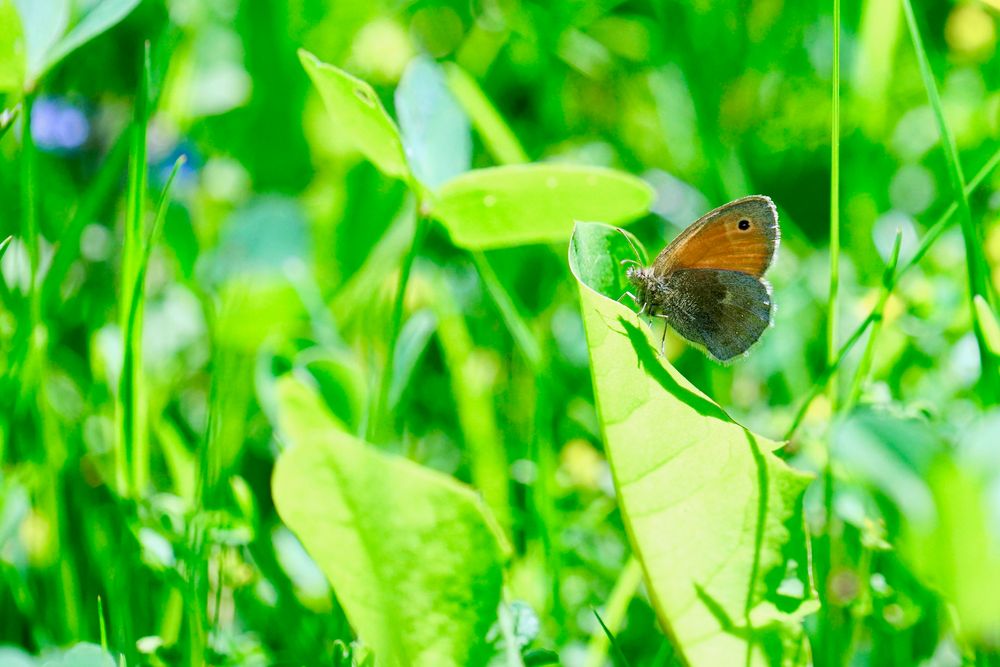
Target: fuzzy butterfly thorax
{"type": "Point", "coordinates": [708, 284]}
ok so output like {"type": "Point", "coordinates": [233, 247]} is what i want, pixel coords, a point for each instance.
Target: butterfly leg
{"type": "Point", "coordinates": [663, 339]}
{"type": "Point", "coordinates": [635, 300]}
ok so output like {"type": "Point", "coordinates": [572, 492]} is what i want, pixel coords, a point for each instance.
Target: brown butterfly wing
{"type": "Point", "coordinates": [724, 311]}
{"type": "Point", "coordinates": [742, 235]}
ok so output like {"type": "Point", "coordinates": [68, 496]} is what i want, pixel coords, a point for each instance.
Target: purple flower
{"type": "Point", "coordinates": [58, 126]}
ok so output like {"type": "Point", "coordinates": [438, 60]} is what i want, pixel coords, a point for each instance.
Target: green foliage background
{"type": "Point", "coordinates": [359, 268]}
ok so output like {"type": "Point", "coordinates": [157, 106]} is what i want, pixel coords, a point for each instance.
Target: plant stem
{"type": "Point", "coordinates": [516, 324]}
{"type": "Point", "coordinates": [932, 235]}
{"type": "Point", "coordinates": [976, 265]}
{"type": "Point", "coordinates": [380, 423]}
{"type": "Point", "coordinates": [861, 374]}
{"type": "Point", "coordinates": [29, 214]}
{"type": "Point", "coordinates": [831, 308]}
{"type": "Point", "coordinates": [831, 343]}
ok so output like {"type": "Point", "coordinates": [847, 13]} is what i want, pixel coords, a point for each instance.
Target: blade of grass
{"type": "Point", "coordinates": [827, 613]}
{"type": "Point", "coordinates": [506, 149]}
{"type": "Point", "coordinates": [621, 595]}
{"type": "Point", "coordinates": [932, 235]}
{"type": "Point", "coordinates": [831, 306]}
{"type": "Point", "coordinates": [100, 623]}
{"type": "Point", "coordinates": [68, 247]}
{"type": "Point", "coordinates": [616, 652]}
{"type": "Point", "coordinates": [499, 139]}
{"type": "Point", "coordinates": [380, 423]}
{"type": "Point", "coordinates": [4, 244]}
{"type": "Point", "coordinates": [132, 452]}
{"type": "Point", "coordinates": [864, 367]}
{"type": "Point", "coordinates": [516, 324]}
{"type": "Point", "coordinates": [976, 266]}
{"type": "Point", "coordinates": [29, 211]}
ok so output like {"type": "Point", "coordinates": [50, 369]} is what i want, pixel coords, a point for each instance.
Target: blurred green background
{"type": "Point", "coordinates": [281, 250]}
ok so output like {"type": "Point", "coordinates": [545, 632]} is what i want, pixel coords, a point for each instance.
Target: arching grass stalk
{"type": "Point", "coordinates": [861, 374]}
{"type": "Point", "coordinates": [975, 260]}
{"type": "Point", "coordinates": [932, 235]}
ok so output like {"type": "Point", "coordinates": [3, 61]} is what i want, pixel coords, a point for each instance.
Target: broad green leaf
{"type": "Point", "coordinates": [715, 517]}
{"type": "Point", "coordinates": [435, 129]}
{"type": "Point", "coordinates": [359, 116]}
{"type": "Point", "coordinates": [11, 50]}
{"type": "Point", "coordinates": [536, 203]}
{"type": "Point", "coordinates": [411, 553]}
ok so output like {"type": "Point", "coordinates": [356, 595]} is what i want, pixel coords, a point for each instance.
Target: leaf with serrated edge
{"type": "Point", "coordinates": [413, 556]}
{"type": "Point", "coordinates": [713, 514]}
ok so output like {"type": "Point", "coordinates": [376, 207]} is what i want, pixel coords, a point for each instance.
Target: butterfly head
{"type": "Point", "coordinates": [641, 278]}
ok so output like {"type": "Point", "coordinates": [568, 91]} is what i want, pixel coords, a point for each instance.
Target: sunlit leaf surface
{"type": "Point", "coordinates": [358, 115]}
{"type": "Point", "coordinates": [538, 203]}
{"type": "Point", "coordinates": [411, 554]}
{"type": "Point", "coordinates": [715, 517]}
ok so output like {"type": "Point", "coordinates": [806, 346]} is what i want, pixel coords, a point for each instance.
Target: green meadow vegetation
{"type": "Point", "coordinates": [313, 349]}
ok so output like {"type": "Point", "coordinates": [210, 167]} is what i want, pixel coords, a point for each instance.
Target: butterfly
{"type": "Point", "coordinates": [708, 283]}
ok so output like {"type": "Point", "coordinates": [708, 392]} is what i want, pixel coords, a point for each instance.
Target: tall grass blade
{"type": "Point", "coordinates": [825, 541]}
{"type": "Point", "coordinates": [932, 235]}
{"type": "Point", "coordinates": [864, 367]}
{"type": "Point", "coordinates": [616, 652]}
{"type": "Point", "coordinates": [976, 266]}
{"type": "Point", "coordinates": [132, 451]}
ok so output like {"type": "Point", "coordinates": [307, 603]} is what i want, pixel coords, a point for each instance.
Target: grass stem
{"type": "Point", "coordinates": [932, 235]}
{"type": "Point", "coordinates": [976, 265]}
{"type": "Point", "coordinates": [831, 341]}
{"type": "Point", "coordinates": [380, 423]}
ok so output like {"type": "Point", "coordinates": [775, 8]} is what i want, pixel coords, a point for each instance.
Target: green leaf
{"type": "Point", "coordinates": [100, 17]}
{"type": "Point", "coordinates": [537, 203]}
{"type": "Point", "coordinates": [714, 516]}
{"type": "Point", "coordinates": [45, 24]}
{"type": "Point", "coordinates": [12, 54]}
{"type": "Point", "coordinates": [411, 553]}
{"type": "Point", "coordinates": [435, 129]}
{"type": "Point", "coordinates": [358, 115]}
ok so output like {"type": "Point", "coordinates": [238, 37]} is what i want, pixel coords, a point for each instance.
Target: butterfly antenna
{"type": "Point", "coordinates": [638, 257]}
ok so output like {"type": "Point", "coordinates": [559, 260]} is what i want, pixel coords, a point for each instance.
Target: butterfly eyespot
{"type": "Point", "coordinates": [744, 225]}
